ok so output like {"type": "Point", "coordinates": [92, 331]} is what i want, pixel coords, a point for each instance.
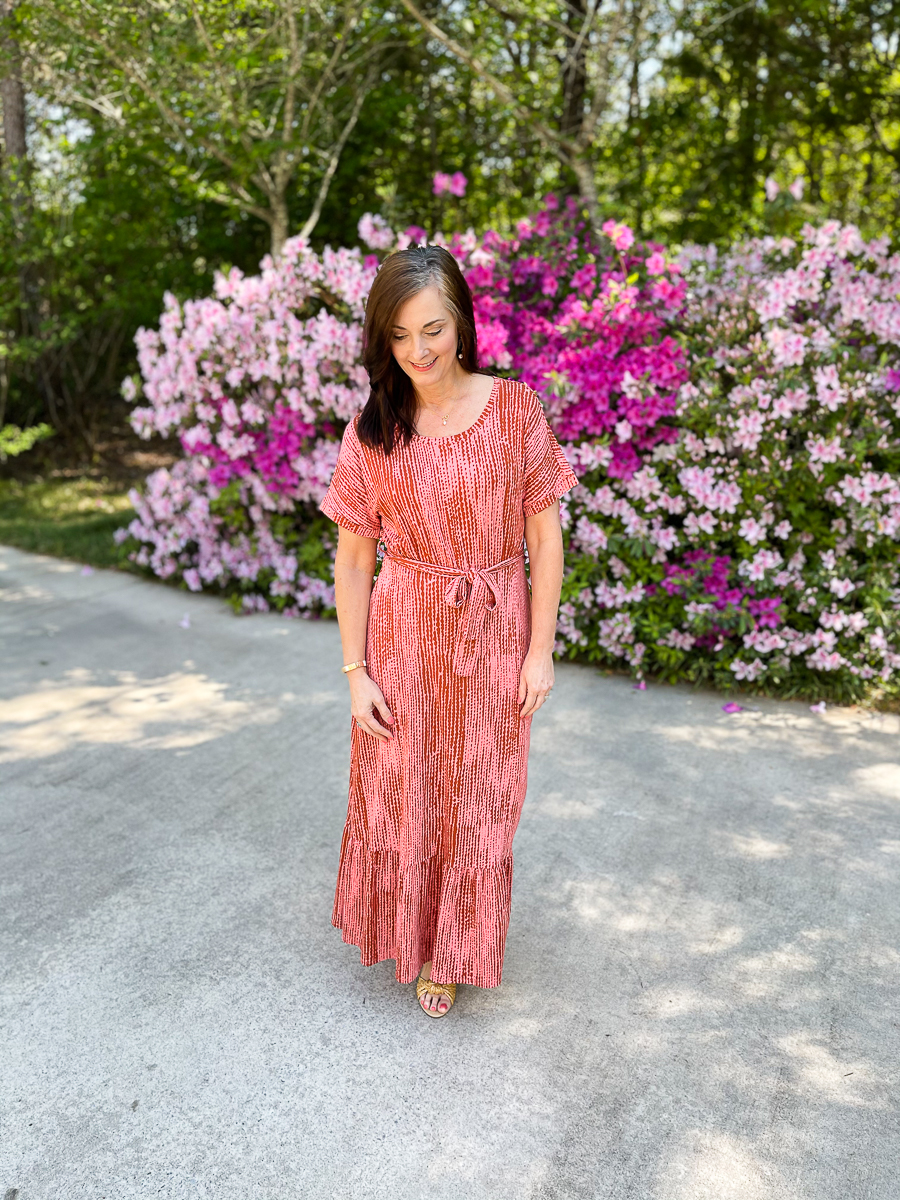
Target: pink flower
{"type": "Point", "coordinates": [375, 232]}
{"type": "Point", "coordinates": [751, 530]}
{"type": "Point", "coordinates": [772, 188]}
{"type": "Point", "coordinates": [457, 184]}
{"type": "Point", "coordinates": [824, 450]}
{"type": "Point", "coordinates": [796, 188]}
{"type": "Point", "coordinates": [824, 660]}
{"type": "Point", "coordinates": [620, 235]}
{"type": "Point", "coordinates": [656, 263]}
{"type": "Point", "coordinates": [441, 183]}
{"type": "Point", "coordinates": [748, 671]}
{"type": "Point", "coordinates": [788, 348]}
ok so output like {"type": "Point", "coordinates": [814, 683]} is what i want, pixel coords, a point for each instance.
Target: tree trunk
{"type": "Point", "coordinates": [12, 93]}
{"type": "Point", "coordinates": [583, 170]}
{"type": "Point", "coordinates": [279, 224]}
{"type": "Point", "coordinates": [17, 172]}
{"type": "Point", "coordinates": [574, 73]}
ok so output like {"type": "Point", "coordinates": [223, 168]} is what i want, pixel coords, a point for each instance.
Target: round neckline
{"type": "Point", "coordinates": [448, 437]}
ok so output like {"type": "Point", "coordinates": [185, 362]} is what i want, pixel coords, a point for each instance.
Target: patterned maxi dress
{"type": "Point", "coordinates": [426, 860]}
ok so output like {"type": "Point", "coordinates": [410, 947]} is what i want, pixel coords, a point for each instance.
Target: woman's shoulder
{"type": "Point", "coordinates": [520, 401]}
{"type": "Point", "coordinates": [519, 394]}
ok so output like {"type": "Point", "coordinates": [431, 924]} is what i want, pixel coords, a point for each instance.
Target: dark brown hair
{"type": "Point", "coordinates": [391, 408]}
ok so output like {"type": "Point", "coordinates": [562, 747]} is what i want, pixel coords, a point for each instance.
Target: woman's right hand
{"type": "Point", "coordinates": [365, 699]}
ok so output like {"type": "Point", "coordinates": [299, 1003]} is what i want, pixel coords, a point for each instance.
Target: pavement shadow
{"type": "Point", "coordinates": [720, 902]}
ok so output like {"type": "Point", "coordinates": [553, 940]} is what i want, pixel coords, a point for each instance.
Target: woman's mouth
{"type": "Point", "coordinates": [423, 366]}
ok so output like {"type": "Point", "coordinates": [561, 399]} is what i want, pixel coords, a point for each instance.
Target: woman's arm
{"type": "Point", "coordinates": [543, 537]}
{"type": "Point", "coordinates": [354, 568]}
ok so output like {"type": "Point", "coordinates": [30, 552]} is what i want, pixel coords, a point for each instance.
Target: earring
{"type": "Point", "coordinates": [459, 349]}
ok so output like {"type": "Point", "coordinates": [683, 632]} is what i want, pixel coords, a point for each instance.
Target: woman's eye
{"type": "Point", "coordinates": [435, 333]}
{"type": "Point", "coordinates": [398, 337]}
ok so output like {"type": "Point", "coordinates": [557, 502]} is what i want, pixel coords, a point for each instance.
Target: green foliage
{"type": "Point", "coordinates": [758, 90]}
{"type": "Point", "coordinates": [68, 518]}
{"type": "Point", "coordinates": [15, 441]}
{"type": "Point", "coordinates": [131, 202]}
{"type": "Point", "coordinates": [98, 253]}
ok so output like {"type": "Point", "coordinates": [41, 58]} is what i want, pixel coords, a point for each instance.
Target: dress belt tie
{"type": "Point", "coordinates": [473, 590]}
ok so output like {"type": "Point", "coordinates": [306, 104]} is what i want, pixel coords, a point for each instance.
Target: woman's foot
{"type": "Point", "coordinates": [434, 1001]}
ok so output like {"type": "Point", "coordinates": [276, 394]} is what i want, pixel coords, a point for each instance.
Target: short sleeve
{"type": "Point", "coordinates": [347, 501]}
{"type": "Point", "coordinates": [547, 472]}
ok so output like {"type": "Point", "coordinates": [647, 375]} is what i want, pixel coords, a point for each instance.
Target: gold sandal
{"type": "Point", "coordinates": [447, 990]}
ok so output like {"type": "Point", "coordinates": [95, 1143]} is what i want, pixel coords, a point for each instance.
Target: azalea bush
{"type": "Point", "coordinates": [257, 382]}
{"type": "Point", "coordinates": [760, 545]}
{"type": "Point", "coordinates": [734, 419]}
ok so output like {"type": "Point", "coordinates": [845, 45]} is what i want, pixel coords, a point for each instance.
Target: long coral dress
{"type": "Point", "coordinates": [426, 861]}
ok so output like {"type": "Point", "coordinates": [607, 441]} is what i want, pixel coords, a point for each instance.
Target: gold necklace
{"type": "Point", "coordinates": [445, 419]}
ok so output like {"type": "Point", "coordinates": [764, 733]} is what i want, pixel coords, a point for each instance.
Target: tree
{"type": "Point", "coordinates": [754, 89]}
{"type": "Point", "coordinates": [236, 102]}
{"type": "Point", "coordinates": [557, 65]}
{"type": "Point", "coordinates": [16, 190]}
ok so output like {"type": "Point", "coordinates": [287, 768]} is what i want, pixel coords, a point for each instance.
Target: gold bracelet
{"type": "Point", "coordinates": [352, 666]}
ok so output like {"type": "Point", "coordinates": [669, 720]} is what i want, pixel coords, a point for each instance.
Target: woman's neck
{"type": "Point", "coordinates": [443, 392]}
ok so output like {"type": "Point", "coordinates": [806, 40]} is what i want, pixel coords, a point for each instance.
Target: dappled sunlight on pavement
{"type": "Point", "coordinates": [173, 712]}
{"type": "Point", "coordinates": [699, 992]}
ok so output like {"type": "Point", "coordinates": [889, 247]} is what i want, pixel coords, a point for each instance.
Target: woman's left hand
{"type": "Point", "coordinates": [535, 682]}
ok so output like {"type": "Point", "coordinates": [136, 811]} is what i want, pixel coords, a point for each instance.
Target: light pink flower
{"type": "Point", "coordinates": [796, 188]}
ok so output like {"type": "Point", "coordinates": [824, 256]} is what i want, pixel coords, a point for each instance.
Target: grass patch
{"type": "Point", "coordinates": [68, 518]}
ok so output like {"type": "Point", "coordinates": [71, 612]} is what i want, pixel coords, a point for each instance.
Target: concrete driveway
{"type": "Point", "coordinates": [700, 997]}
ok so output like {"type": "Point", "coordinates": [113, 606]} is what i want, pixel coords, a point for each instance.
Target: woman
{"type": "Point", "coordinates": [447, 657]}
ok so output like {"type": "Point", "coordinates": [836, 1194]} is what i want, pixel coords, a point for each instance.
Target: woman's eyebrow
{"type": "Point", "coordinates": [436, 321]}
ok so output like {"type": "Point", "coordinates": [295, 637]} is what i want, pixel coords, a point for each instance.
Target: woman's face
{"type": "Point", "coordinates": [424, 338]}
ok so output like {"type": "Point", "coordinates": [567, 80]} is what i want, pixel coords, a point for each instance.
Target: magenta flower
{"type": "Point", "coordinates": [441, 183]}
{"type": "Point", "coordinates": [620, 235]}
{"type": "Point", "coordinates": [656, 263]}
{"type": "Point", "coordinates": [457, 185]}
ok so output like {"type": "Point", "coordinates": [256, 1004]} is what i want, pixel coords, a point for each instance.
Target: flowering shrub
{"type": "Point", "coordinates": [587, 326]}
{"type": "Point", "coordinates": [733, 419]}
{"type": "Point", "coordinates": [761, 545]}
{"type": "Point", "coordinates": [258, 383]}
